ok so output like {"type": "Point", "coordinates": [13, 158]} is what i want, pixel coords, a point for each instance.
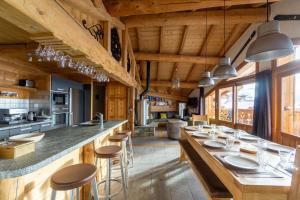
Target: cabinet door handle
{"type": "Point", "coordinates": [44, 125]}
{"type": "Point", "coordinates": [60, 89]}
{"type": "Point", "coordinates": [26, 129]}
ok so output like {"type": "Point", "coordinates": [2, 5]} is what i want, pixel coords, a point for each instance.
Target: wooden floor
{"type": "Point", "coordinates": [157, 173]}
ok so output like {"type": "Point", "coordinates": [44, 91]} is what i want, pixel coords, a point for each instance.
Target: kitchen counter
{"type": "Point", "coordinates": [23, 124]}
{"type": "Point", "coordinates": [56, 144]}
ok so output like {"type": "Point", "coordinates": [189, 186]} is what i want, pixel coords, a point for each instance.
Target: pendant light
{"type": "Point", "coordinates": [270, 43]}
{"type": "Point", "coordinates": [224, 69]}
{"type": "Point", "coordinates": [206, 80]}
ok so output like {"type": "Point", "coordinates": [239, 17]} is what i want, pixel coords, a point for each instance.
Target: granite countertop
{"type": "Point", "coordinates": [23, 124]}
{"type": "Point", "coordinates": [56, 144]}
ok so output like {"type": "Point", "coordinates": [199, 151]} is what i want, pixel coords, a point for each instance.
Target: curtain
{"type": "Point", "coordinates": [262, 105]}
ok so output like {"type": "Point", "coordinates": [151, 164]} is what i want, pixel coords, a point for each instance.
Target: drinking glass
{"type": "Point", "coordinates": [236, 134]}
{"type": "Point", "coordinates": [284, 157]}
{"type": "Point", "coordinates": [200, 127]}
{"type": "Point", "coordinates": [229, 142]}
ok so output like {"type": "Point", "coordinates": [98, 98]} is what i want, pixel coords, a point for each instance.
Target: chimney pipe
{"type": "Point", "coordinates": [147, 89]}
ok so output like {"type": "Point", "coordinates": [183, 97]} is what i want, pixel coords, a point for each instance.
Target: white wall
{"type": "Point", "coordinates": [290, 28]}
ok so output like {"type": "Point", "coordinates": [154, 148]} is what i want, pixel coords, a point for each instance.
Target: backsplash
{"type": "Point", "coordinates": [14, 103]}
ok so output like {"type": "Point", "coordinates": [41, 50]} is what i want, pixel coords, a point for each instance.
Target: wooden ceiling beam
{"type": "Point", "coordinates": [142, 7]}
{"type": "Point", "coordinates": [234, 16]}
{"type": "Point", "coordinates": [211, 60]}
{"type": "Point", "coordinates": [99, 12]}
{"type": "Point", "coordinates": [180, 50]}
{"type": "Point", "coordinates": [51, 16]}
{"type": "Point", "coordinates": [168, 96]}
{"type": "Point", "coordinates": [203, 45]}
{"type": "Point", "coordinates": [168, 84]}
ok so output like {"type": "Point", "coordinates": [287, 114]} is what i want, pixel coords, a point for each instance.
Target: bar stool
{"type": "Point", "coordinates": [109, 152]}
{"type": "Point", "coordinates": [121, 139]}
{"type": "Point", "coordinates": [128, 133]}
{"type": "Point", "coordinates": [72, 178]}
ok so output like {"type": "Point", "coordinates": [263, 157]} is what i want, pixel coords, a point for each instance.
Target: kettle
{"type": "Point", "coordinates": [31, 116]}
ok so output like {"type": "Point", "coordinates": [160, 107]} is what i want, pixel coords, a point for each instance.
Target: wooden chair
{"type": "Point", "coordinates": [199, 118]}
{"type": "Point", "coordinates": [295, 186]}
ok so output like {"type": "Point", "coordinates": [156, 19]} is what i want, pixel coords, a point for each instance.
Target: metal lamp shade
{"type": "Point", "coordinates": [270, 44]}
{"type": "Point", "coordinates": [224, 70]}
{"type": "Point", "coordinates": [206, 80]}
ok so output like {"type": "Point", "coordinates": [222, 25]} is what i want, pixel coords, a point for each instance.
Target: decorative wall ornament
{"type": "Point", "coordinates": [115, 44]}
{"type": "Point", "coordinates": [95, 30]}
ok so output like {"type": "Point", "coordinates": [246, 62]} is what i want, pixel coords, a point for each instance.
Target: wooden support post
{"type": "Point", "coordinates": [92, 99]}
{"type": "Point", "coordinates": [295, 186]}
{"type": "Point", "coordinates": [107, 36]}
{"type": "Point", "coordinates": [131, 103]}
{"type": "Point", "coordinates": [124, 47]}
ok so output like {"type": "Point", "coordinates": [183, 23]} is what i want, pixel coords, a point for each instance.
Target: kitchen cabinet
{"type": "Point", "coordinates": [46, 127]}
{"type": "Point", "coordinates": [4, 134]}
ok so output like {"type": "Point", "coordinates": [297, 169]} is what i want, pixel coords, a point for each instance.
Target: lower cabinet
{"type": "Point", "coordinates": [4, 134]}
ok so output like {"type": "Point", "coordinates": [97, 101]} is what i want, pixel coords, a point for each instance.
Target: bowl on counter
{"type": "Point", "coordinates": [34, 137]}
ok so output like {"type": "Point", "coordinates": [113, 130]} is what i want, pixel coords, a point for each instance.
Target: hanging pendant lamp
{"type": "Point", "coordinates": [206, 80]}
{"type": "Point", "coordinates": [270, 43]}
{"type": "Point", "coordinates": [224, 69]}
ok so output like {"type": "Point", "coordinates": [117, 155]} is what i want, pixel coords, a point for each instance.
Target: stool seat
{"type": "Point", "coordinates": [110, 151]}
{"type": "Point", "coordinates": [118, 138]}
{"type": "Point", "coordinates": [124, 132]}
{"type": "Point", "coordinates": [73, 176]}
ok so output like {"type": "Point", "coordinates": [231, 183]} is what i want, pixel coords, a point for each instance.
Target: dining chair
{"type": "Point", "coordinates": [200, 118]}
{"type": "Point", "coordinates": [295, 185]}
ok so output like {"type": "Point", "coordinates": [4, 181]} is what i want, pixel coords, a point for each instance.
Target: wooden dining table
{"type": "Point", "coordinates": [243, 186]}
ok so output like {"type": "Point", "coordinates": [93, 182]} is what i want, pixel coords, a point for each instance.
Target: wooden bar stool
{"type": "Point", "coordinates": [128, 133]}
{"type": "Point", "coordinates": [73, 177]}
{"type": "Point", "coordinates": [110, 152]}
{"type": "Point", "coordinates": [122, 139]}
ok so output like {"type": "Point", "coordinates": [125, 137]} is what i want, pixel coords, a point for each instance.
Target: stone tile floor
{"type": "Point", "coordinates": [157, 173]}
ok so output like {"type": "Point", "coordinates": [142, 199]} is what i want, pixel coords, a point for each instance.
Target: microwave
{"type": "Point", "coordinates": [60, 98]}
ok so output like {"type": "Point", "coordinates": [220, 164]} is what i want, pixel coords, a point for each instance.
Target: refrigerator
{"type": "Point", "coordinates": [181, 109]}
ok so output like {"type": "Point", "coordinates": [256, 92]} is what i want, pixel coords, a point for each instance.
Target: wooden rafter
{"type": "Point", "coordinates": [168, 84]}
{"type": "Point", "coordinates": [168, 96]}
{"type": "Point", "coordinates": [211, 60]}
{"type": "Point", "coordinates": [141, 7]}
{"type": "Point", "coordinates": [234, 16]}
{"type": "Point", "coordinates": [209, 31]}
{"type": "Point", "coordinates": [181, 47]}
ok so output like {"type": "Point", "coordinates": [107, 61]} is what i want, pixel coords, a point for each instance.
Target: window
{"type": "Point", "coordinates": [245, 103]}
{"type": "Point", "coordinates": [246, 70]}
{"type": "Point", "coordinates": [290, 104]}
{"type": "Point", "coordinates": [225, 104]}
{"type": "Point", "coordinates": [287, 59]}
{"type": "Point", "coordinates": [210, 103]}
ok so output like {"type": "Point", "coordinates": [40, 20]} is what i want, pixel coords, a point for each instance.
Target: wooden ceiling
{"type": "Point", "coordinates": [172, 34]}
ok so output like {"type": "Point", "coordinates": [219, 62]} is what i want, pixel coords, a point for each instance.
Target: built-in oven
{"type": "Point", "coordinates": [60, 119]}
{"type": "Point", "coordinates": [60, 108]}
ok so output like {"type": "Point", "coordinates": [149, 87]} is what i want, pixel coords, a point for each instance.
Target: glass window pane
{"type": "Point", "coordinates": [245, 103]}
{"type": "Point", "coordinates": [210, 103]}
{"type": "Point", "coordinates": [225, 104]}
{"type": "Point", "coordinates": [290, 104]}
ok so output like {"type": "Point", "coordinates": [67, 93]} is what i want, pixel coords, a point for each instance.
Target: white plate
{"type": "Point", "coordinates": [200, 134]}
{"type": "Point", "coordinates": [248, 137]}
{"type": "Point", "coordinates": [214, 144]}
{"type": "Point", "coordinates": [191, 128]}
{"type": "Point", "coordinates": [241, 162]}
{"type": "Point", "coordinates": [278, 147]}
{"type": "Point", "coordinates": [35, 137]}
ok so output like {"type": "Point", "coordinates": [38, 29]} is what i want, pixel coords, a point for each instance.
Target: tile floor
{"type": "Point", "coordinates": [157, 173]}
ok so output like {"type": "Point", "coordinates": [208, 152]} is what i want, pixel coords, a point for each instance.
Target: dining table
{"type": "Point", "coordinates": [270, 180]}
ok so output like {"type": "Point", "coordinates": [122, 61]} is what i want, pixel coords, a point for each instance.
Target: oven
{"type": "Point", "coordinates": [60, 119]}
{"type": "Point", "coordinates": [60, 108]}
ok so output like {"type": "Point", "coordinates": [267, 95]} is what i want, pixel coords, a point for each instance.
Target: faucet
{"type": "Point", "coordinates": [100, 117]}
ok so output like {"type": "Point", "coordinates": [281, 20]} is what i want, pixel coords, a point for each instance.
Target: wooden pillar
{"type": "Point", "coordinates": [131, 103]}
{"type": "Point", "coordinates": [107, 36]}
{"type": "Point", "coordinates": [92, 100]}
{"type": "Point", "coordinates": [295, 186]}
{"type": "Point", "coordinates": [124, 47]}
